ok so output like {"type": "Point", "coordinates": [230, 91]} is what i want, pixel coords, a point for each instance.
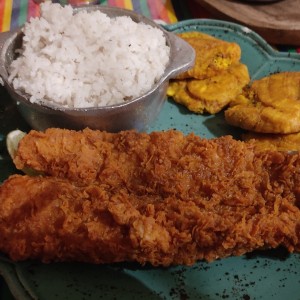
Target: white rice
{"type": "Point", "coordinates": [87, 59]}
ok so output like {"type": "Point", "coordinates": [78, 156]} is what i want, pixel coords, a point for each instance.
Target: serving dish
{"type": "Point", "coordinates": [136, 113]}
{"type": "Point", "coordinates": [259, 275]}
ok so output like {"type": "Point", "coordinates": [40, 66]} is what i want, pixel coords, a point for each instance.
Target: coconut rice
{"type": "Point", "coordinates": [87, 59]}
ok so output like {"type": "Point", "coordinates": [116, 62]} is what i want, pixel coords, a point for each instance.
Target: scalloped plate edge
{"type": "Point", "coordinates": [235, 26]}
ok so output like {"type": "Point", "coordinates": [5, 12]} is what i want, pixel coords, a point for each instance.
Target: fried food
{"type": "Point", "coordinates": [212, 55]}
{"type": "Point", "coordinates": [212, 94]}
{"type": "Point", "coordinates": [196, 34]}
{"type": "Point", "coordinates": [277, 142]}
{"type": "Point", "coordinates": [161, 198]}
{"type": "Point", "coordinates": [216, 78]}
{"type": "Point", "coordinates": [269, 105]}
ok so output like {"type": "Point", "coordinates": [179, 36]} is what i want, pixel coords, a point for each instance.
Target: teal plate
{"type": "Point", "coordinates": [271, 274]}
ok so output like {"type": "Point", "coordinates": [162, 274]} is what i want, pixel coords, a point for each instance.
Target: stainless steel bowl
{"type": "Point", "coordinates": [134, 114]}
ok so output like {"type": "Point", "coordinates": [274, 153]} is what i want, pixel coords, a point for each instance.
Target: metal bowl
{"type": "Point", "coordinates": [136, 114]}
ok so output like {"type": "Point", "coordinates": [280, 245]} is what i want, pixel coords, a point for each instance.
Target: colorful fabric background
{"type": "Point", "coordinates": [14, 13]}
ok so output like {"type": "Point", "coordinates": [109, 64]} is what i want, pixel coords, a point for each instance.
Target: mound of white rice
{"type": "Point", "coordinates": [87, 59]}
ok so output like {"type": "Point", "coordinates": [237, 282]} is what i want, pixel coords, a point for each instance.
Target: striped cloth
{"type": "Point", "coordinates": [14, 13]}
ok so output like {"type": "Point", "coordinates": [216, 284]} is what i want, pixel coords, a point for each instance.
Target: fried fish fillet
{"type": "Point", "coordinates": [279, 142]}
{"type": "Point", "coordinates": [269, 105]}
{"type": "Point", "coordinates": [212, 94]}
{"type": "Point", "coordinates": [161, 198]}
{"type": "Point", "coordinates": [212, 55]}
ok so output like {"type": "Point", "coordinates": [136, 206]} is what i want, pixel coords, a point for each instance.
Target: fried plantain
{"type": "Point", "coordinates": [196, 34]}
{"type": "Point", "coordinates": [276, 142]}
{"type": "Point", "coordinates": [212, 94]}
{"type": "Point", "coordinates": [269, 105]}
{"type": "Point", "coordinates": [212, 55]}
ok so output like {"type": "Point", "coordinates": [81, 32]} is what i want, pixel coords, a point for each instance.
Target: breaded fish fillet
{"type": "Point", "coordinates": [162, 198]}
{"type": "Point", "coordinates": [128, 158]}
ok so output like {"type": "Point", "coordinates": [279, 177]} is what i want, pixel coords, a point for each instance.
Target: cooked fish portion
{"type": "Point", "coordinates": [161, 198]}
{"type": "Point", "coordinates": [212, 94]}
{"type": "Point", "coordinates": [149, 163]}
{"type": "Point", "coordinates": [269, 105]}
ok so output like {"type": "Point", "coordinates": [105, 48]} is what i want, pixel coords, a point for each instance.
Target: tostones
{"type": "Point", "coordinates": [276, 142]}
{"type": "Point", "coordinates": [196, 34]}
{"type": "Point", "coordinates": [212, 55]}
{"type": "Point", "coordinates": [211, 94]}
{"type": "Point", "coordinates": [269, 105]}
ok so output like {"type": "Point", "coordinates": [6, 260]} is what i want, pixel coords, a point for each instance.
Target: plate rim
{"type": "Point", "coordinates": [174, 27]}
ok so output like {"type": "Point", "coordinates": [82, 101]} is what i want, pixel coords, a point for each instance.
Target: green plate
{"type": "Point", "coordinates": [260, 275]}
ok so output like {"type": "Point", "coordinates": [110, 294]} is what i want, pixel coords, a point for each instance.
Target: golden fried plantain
{"type": "Point", "coordinates": [276, 142]}
{"type": "Point", "coordinates": [211, 94]}
{"type": "Point", "coordinates": [197, 35]}
{"type": "Point", "coordinates": [269, 105]}
{"type": "Point", "coordinates": [212, 55]}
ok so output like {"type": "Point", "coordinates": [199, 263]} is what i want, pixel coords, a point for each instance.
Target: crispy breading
{"type": "Point", "coordinates": [212, 94]}
{"type": "Point", "coordinates": [269, 141]}
{"type": "Point", "coordinates": [212, 55]}
{"type": "Point", "coordinates": [269, 105]}
{"type": "Point", "coordinates": [162, 198]}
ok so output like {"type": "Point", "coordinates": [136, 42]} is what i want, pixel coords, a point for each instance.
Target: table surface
{"type": "Point", "coordinates": [14, 13]}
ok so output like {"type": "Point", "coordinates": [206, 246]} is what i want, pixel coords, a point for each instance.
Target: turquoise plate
{"type": "Point", "coordinates": [260, 275]}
